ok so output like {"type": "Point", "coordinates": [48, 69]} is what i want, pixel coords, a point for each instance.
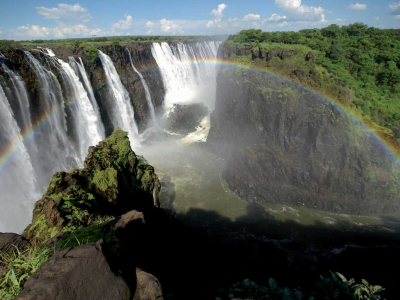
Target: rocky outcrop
{"type": "Point", "coordinates": [82, 273]}
{"type": "Point", "coordinates": [113, 182]}
{"type": "Point", "coordinates": [284, 144]}
{"type": "Point", "coordinates": [184, 119]}
{"type": "Point", "coordinates": [10, 242]}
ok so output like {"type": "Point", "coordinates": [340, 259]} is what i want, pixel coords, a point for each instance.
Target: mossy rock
{"type": "Point", "coordinates": [114, 181]}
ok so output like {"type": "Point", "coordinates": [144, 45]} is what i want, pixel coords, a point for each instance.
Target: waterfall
{"type": "Point", "coordinates": [146, 90]}
{"type": "Point", "coordinates": [87, 124]}
{"type": "Point", "coordinates": [123, 115]}
{"type": "Point", "coordinates": [18, 188]}
{"type": "Point", "coordinates": [81, 72]}
{"type": "Point", "coordinates": [187, 74]}
{"type": "Point", "coordinates": [55, 150]}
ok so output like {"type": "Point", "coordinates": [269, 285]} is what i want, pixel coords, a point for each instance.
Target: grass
{"type": "Point", "coordinates": [18, 267]}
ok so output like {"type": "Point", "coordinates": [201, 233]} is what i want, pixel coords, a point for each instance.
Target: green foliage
{"type": "Point", "coordinates": [334, 287]}
{"type": "Point", "coordinates": [355, 64]}
{"type": "Point", "coordinates": [18, 267]}
{"type": "Point", "coordinates": [85, 235]}
{"type": "Point", "coordinates": [9, 45]}
{"type": "Point", "coordinates": [92, 54]}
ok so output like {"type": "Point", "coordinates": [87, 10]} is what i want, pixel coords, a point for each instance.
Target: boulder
{"type": "Point", "coordinates": [147, 287]}
{"type": "Point", "coordinates": [10, 242]}
{"type": "Point", "coordinates": [114, 181]}
{"type": "Point", "coordinates": [129, 220]}
{"type": "Point", "coordinates": [81, 273]}
{"type": "Point", "coordinates": [184, 119]}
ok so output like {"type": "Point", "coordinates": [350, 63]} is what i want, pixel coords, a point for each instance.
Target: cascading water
{"type": "Point", "coordinates": [186, 74]}
{"type": "Point", "coordinates": [146, 90]}
{"type": "Point", "coordinates": [81, 72]}
{"type": "Point", "coordinates": [18, 188]}
{"type": "Point", "coordinates": [23, 117]}
{"type": "Point", "coordinates": [123, 115]}
{"type": "Point", "coordinates": [56, 152]}
{"type": "Point", "coordinates": [87, 124]}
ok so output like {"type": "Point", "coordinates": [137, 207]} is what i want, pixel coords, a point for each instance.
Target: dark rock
{"type": "Point", "coordinates": [83, 273]}
{"type": "Point", "coordinates": [148, 287]}
{"type": "Point", "coordinates": [114, 181]}
{"type": "Point", "coordinates": [310, 56]}
{"type": "Point", "coordinates": [286, 145]}
{"type": "Point", "coordinates": [10, 242]}
{"type": "Point", "coordinates": [184, 119]}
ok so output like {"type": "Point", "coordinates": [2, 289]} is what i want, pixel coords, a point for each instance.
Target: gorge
{"type": "Point", "coordinates": [268, 161]}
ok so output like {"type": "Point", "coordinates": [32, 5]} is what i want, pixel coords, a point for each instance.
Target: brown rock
{"type": "Point", "coordinates": [10, 242]}
{"type": "Point", "coordinates": [148, 287]}
{"type": "Point", "coordinates": [81, 273]}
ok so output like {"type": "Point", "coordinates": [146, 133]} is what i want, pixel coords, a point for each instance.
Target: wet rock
{"type": "Point", "coordinates": [82, 273]}
{"type": "Point", "coordinates": [148, 287]}
{"type": "Point", "coordinates": [184, 119]}
{"type": "Point", "coordinates": [285, 145]}
{"type": "Point", "coordinates": [10, 242]}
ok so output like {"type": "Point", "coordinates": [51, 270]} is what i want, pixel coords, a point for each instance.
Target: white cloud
{"type": "Point", "coordinates": [124, 24]}
{"type": "Point", "coordinates": [149, 24]}
{"type": "Point", "coordinates": [396, 10]}
{"type": "Point", "coordinates": [357, 6]}
{"type": "Point", "coordinates": [169, 26]}
{"type": "Point", "coordinates": [274, 18]}
{"type": "Point", "coordinates": [35, 31]}
{"type": "Point", "coordinates": [251, 17]}
{"type": "Point", "coordinates": [218, 13]}
{"type": "Point", "coordinates": [296, 11]}
{"type": "Point", "coordinates": [376, 19]}
{"type": "Point", "coordinates": [65, 14]}
{"type": "Point", "coordinates": [395, 6]}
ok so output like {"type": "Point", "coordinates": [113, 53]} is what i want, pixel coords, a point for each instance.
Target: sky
{"type": "Point", "coordinates": [49, 19]}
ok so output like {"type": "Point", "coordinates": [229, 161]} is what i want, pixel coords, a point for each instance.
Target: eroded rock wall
{"type": "Point", "coordinates": [284, 144]}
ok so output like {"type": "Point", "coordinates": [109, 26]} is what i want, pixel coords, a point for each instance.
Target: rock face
{"type": "Point", "coordinates": [79, 273]}
{"type": "Point", "coordinates": [184, 119]}
{"type": "Point", "coordinates": [286, 145]}
{"type": "Point", "coordinates": [9, 242]}
{"type": "Point", "coordinates": [113, 182]}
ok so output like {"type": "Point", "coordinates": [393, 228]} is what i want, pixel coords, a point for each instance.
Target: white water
{"type": "Point", "coordinates": [187, 75]}
{"type": "Point", "coordinates": [18, 188]}
{"type": "Point", "coordinates": [81, 72]}
{"type": "Point", "coordinates": [51, 136]}
{"type": "Point", "coordinates": [146, 91]}
{"type": "Point", "coordinates": [87, 124]}
{"type": "Point", "coordinates": [123, 115]}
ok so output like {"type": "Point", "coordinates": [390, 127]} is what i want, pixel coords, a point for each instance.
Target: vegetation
{"type": "Point", "coordinates": [17, 267]}
{"type": "Point", "coordinates": [355, 64]}
{"type": "Point", "coordinates": [334, 287]}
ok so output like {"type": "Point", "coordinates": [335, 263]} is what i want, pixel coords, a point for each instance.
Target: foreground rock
{"type": "Point", "coordinates": [147, 287]}
{"type": "Point", "coordinates": [184, 119]}
{"type": "Point", "coordinates": [113, 182]}
{"type": "Point", "coordinates": [80, 273]}
{"type": "Point", "coordinates": [10, 242]}
{"type": "Point", "coordinates": [286, 145]}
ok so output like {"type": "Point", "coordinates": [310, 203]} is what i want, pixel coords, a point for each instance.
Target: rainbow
{"type": "Point", "coordinates": [7, 153]}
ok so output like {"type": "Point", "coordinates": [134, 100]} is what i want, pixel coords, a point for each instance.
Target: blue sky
{"type": "Point", "coordinates": [53, 19]}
